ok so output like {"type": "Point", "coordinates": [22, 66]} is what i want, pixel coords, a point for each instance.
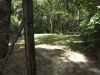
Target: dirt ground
{"type": "Point", "coordinates": [51, 60]}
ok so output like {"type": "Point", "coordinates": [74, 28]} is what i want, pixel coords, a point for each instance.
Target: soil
{"type": "Point", "coordinates": [51, 60]}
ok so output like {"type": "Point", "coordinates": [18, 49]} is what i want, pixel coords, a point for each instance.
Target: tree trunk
{"type": "Point", "coordinates": [5, 10]}
{"type": "Point", "coordinates": [29, 37]}
{"type": "Point", "coordinates": [51, 26]}
{"type": "Point", "coordinates": [78, 19]}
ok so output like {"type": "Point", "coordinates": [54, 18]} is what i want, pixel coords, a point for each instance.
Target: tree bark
{"type": "Point", "coordinates": [29, 37]}
{"type": "Point", "coordinates": [5, 10]}
{"type": "Point", "coordinates": [51, 26]}
{"type": "Point", "coordinates": [78, 18]}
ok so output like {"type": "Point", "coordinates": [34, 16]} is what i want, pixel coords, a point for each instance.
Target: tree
{"type": "Point", "coordinates": [5, 13]}
{"type": "Point", "coordinates": [29, 37]}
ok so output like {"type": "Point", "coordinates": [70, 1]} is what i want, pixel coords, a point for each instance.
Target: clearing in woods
{"type": "Point", "coordinates": [55, 55]}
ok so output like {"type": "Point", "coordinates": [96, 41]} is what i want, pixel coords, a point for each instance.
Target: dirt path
{"type": "Point", "coordinates": [51, 60]}
{"type": "Point", "coordinates": [57, 61]}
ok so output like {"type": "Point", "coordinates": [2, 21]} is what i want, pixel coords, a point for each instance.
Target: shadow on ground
{"type": "Point", "coordinates": [62, 62]}
{"type": "Point", "coordinates": [58, 56]}
{"type": "Point", "coordinates": [66, 54]}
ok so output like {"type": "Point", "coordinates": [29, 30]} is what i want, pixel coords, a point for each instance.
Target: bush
{"type": "Point", "coordinates": [90, 31]}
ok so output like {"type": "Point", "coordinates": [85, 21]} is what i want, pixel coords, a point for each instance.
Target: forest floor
{"type": "Point", "coordinates": [55, 55]}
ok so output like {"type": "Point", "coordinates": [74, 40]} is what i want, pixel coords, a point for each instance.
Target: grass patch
{"type": "Point", "coordinates": [56, 39]}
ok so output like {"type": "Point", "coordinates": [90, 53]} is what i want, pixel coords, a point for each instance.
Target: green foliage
{"type": "Point", "coordinates": [53, 13]}
{"type": "Point", "coordinates": [63, 16]}
{"type": "Point", "coordinates": [56, 39]}
{"type": "Point", "coordinates": [90, 31]}
{"type": "Point", "coordinates": [57, 16]}
{"type": "Point", "coordinates": [17, 15]}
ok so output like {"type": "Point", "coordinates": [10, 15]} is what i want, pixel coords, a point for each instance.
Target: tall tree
{"type": "Point", "coordinates": [29, 37]}
{"type": "Point", "coordinates": [5, 13]}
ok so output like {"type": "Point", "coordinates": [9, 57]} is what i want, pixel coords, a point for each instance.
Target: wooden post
{"type": "Point", "coordinates": [29, 37]}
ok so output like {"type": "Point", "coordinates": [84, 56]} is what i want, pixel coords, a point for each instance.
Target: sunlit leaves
{"type": "Point", "coordinates": [91, 28]}
{"type": "Point", "coordinates": [17, 14]}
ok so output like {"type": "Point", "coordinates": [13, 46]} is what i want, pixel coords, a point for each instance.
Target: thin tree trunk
{"type": "Point", "coordinates": [51, 26]}
{"type": "Point", "coordinates": [78, 18]}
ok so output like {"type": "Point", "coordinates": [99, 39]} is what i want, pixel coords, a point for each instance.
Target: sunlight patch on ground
{"type": "Point", "coordinates": [48, 46]}
{"type": "Point", "coordinates": [9, 44]}
{"type": "Point", "coordinates": [20, 42]}
{"type": "Point", "coordinates": [63, 59]}
{"type": "Point", "coordinates": [67, 56]}
{"type": "Point", "coordinates": [78, 41]}
{"type": "Point", "coordinates": [74, 57]}
{"type": "Point", "coordinates": [21, 47]}
{"type": "Point", "coordinates": [72, 35]}
{"type": "Point", "coordinates": [77, 57]}
{"type": "Point", "coordinates": [40, 35]}
{"type": "Point", "coordinates": [96, 70]}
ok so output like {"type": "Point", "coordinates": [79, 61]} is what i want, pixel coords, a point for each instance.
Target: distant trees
{"type": "Point", "coordinates": [57, 16]}
{"type": "Point", "coordinates": [65, 16]}
{"type": "Point", "coordinates": [62, 16]}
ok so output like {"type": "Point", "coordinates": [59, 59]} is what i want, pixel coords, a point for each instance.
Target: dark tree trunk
{"type": "Point", "coordinates": [29, 37]}
{"type": "Point", "coordinates": [5, 10]}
